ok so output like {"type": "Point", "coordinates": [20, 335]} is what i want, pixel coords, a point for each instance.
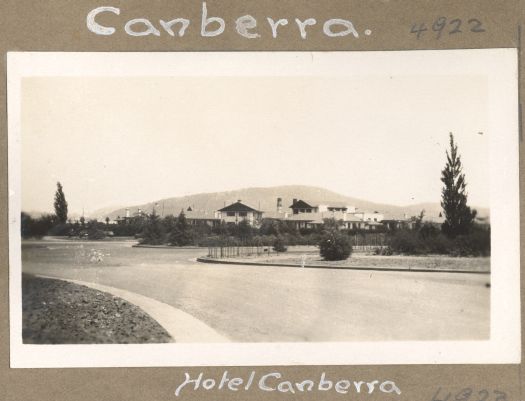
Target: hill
{"type": "Point", "coordinates": [265, 199]}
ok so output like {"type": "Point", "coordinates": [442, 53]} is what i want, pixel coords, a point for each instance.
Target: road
{"type": "Point", "coordinates": [267, 304]}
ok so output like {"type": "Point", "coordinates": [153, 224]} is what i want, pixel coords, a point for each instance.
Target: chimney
{"type": "Point", "coordinates": [127, 212]}
{"type": "Point", "coordinates": [294, 201]}
{"type": "Point", "coordinates": [279, 205]}
{"type": "Point", "coordinates": [239, 200]}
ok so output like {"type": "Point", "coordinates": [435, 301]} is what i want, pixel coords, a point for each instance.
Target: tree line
{"type": "Point", "coordinates": [458, 235]}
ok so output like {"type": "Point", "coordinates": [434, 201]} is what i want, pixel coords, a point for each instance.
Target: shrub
{"type": "Point", "coordinates": [60, 229]}
{"type": "Point", "coordinates": [385, 251]}
{"type": "Point", "coordinates": [278, 245]}
{"type": "Point", "coordinates": [26, 223]}
{"type": "Point", "coordinates": [36, 227]}
{"type": "Point", "coordinates": [153, 233]}
{"type": "Point", "coordinates": [94, 233]}
{"type": "Point", "coordinates": [212, 240]}
{"type": "Point", "coordinates": [182, 233]}
{"type": "Point", "coordinates": [406, 241]}
{"type": "Point", "coordinates": [429, 239]}
{"type": "Point", "coordinates": [262, 240]}
{"type": "Point", "coordinates": [334, 245]}
{"type": "Point", "coordinates": [476, 243]}
{"type": "Point", "coordinates": [428, 230]}
{"type": "Point", "coordinates": [244, 231]}
{"type": "Point", "coordinates": [438, 244]}
{"type": "Point", "coordinates": [130, 228]}
{"type": "Point", "coordinates": [180, 237]}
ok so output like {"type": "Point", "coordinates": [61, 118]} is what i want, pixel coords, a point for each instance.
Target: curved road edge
{"type": "Point", "coordinates": [181, 326]}
{"type": "Point", "coordinates": [204, 259]}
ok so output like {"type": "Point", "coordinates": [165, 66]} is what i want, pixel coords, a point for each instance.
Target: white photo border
{"type": "Point", "coordinates": [500, 66]}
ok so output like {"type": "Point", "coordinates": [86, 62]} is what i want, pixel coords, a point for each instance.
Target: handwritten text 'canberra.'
{"type": "Point", "coordinates": [102, 21]}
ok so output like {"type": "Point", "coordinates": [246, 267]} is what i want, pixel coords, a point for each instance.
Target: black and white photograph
{"type": "Point", "coordinates": [172, 209]}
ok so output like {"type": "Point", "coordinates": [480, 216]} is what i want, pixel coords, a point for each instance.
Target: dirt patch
{"type": "Point", "coordinates": [58, 312]}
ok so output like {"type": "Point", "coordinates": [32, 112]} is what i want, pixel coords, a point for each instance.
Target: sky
{"type": "Point", "coordinates": [131, 140]}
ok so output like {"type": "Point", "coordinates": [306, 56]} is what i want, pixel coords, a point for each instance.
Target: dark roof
{"type": "Point", "coordinates": [237, 207]}
{"type": "Point", "coordinates": [301, 204]}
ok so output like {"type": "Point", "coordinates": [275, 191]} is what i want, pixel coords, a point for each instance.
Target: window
{"type": "Point", "coordinates": [230, 214]}
{"type": "Point", "coordinates": [243, 214]}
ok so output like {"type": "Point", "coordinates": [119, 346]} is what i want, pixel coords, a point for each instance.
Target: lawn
{"type": "Point", "coordinates": [430, 262]}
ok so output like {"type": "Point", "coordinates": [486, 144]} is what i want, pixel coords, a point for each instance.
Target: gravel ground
{"type": "Point", "coordinates": [58, 312]}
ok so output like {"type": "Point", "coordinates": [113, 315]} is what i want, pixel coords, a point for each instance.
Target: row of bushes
{"type": "Point", "coordinates": [201, 234]}
{"type": "Point", "coordinates": [334, 244]}
{"type": "Point", "coordinates": [48, 224]}
{"type": "Point", "coordinates": [430, 240]}
{"type": "Point", "coordinates": [426, 239]}
{"type": "Point", "coordinates": [36, 227]}
{"type": "Point", "coordinates": [337, 244]}
{"type": "Point", "coordinates": [176, 231]}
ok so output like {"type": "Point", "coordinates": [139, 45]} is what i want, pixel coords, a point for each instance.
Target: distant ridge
{"type": "Point", "coordinates": [265, 199]}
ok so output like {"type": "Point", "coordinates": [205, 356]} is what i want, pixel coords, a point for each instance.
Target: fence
{"type": "Point", "coordinates": [366, 248]}
{"type": "Point", "coordinates": [218, 252]}
{"type": "Point", "coordinates": [365, 242]}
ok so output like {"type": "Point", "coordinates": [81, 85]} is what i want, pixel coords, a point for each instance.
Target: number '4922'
{"type": "Point", "coordinates": [469, 394]}
{"type": "Point", "coordinates": [444, 26]}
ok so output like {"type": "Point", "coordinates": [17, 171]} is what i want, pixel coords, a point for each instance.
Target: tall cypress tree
{"type": "Point", "coordinates": [60, 204]}
{"type": "Point", "coordinates": [459, 218]}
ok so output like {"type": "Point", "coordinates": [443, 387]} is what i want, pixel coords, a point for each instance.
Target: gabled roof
{"type": "Point", "coordinates": [301, 204]}
{"type": "Point", "coordinates": [238, 207]}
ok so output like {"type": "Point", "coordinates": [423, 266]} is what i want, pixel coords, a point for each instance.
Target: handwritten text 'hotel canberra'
{"type": "Point", "coordinates": [245, 25]}
{"type": "Point", "coordinates": [274, 382]}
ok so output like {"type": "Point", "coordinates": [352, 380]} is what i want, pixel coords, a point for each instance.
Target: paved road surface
{"type": "Point", "coordinates": [263, 304]}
